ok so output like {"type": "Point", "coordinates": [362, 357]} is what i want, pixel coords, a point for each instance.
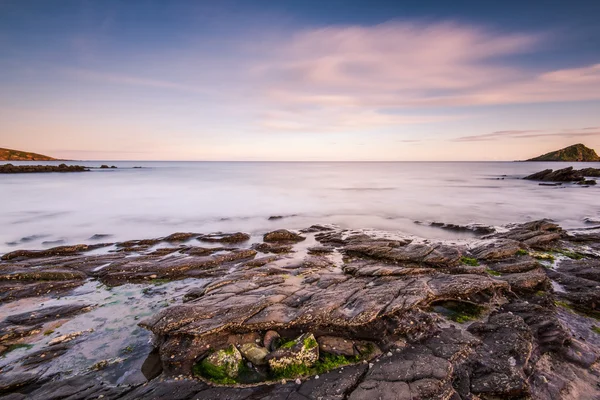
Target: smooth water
{"type": "Point", "coordinates": [44, 210]}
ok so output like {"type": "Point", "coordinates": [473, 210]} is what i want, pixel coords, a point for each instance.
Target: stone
{"type": "Point", "coordinates": [47, 314]}
{"type": "Point", "coordinates": [282, 235]}
{"type": "Point", "coordinates": [496, 250]}
{"type": "Point", "coordinates": [223, 363]}
{"type": "Point", "coordinates": [303, 351]}
{"type": "Point", "coordinates": [562, 175]}
{"type": "Point", "coordinates": [271, 340]}
{"type": "Point", "coordinates": [24, 169]}
{"type": "Point", "coordinates": [336, 345]}
{"type": "Point", "coordinates": [237, 237]}
{"type": "Point", "coordinates": [254, 353]}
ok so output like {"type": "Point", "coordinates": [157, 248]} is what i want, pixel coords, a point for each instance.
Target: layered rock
{"type": "Point", "coordinates": [429, 319]}
{"type": "Point", "coordinates": [24, 169]}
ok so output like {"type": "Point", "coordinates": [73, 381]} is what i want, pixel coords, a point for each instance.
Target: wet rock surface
{"type": "Point", "coordinates": [25, 169]}
{"type": "Point", "coordinates": [329, 314]}
{"type": "Point", "coordinates": [564, 175]}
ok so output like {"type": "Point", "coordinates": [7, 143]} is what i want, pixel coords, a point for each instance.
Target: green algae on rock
{"type": "Point", "coordinates": [303, 351]}
{"type": "Point", "coordinates": [222, 366]}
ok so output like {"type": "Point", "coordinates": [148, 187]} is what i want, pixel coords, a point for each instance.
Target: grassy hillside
{"type": "Point", "coordinates": [576, 152]}
{"type": "Point", "coordinates": [17, 155]}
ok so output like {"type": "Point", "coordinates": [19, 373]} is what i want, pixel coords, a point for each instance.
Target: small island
{"type": "Point", "coordinates": [18, 155]}
{"type": "Point", "coordinates": [575, 153]}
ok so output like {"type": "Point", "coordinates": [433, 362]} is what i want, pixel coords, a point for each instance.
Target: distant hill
{"type": "Point", "coordinates": [17, 155]}
{"type": "Point", "coordinates": [576, 152]}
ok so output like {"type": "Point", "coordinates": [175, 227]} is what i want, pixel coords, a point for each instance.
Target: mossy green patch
{"type": "Point", "coordinates": [215, 374]}
{"type": "Point", "coordinates": [492, 272]}
{"type": "Point", "coordinates": [570, 254]}
{"type": "Point", "coordinates": [310, 342]}
{"type": "Point", "coordinates": [563, 304]}
{"type": "Point", "coordinates": [17, 346]}
{"type": "Point", "coordinates": [48, 332]}
{"type": "Point", "coordinates": [286, 343]}
{"type": "Point", "coordinates": [458, 311]}
{"type": "Point", "coordinates": [469, 261]}
{"type": "Point", "coordinates": [219, 374]}
{"type": "Point", "coordinates": [522, 252]}
{"type": "Point", "coordinates": [326, 363]}
{"type": "Point", "coordinates": [596, 329]}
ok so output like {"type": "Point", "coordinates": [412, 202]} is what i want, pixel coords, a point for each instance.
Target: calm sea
{"type": "Point", "coordinates": [42, 210]}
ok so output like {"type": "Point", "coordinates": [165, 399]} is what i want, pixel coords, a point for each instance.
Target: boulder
{"type": "Point", "coordinates": [236, 237]}
{"type": "Point", "coordinates": [562, 175]}
{"type": "Point", "coordinates": [254, 353]}
{"type": "Point", "coordinates": [336, 345]}
{"type": "Point", "coordinates": [282, 235]}
{"type": "Point", "coordinates": [223, 364]}
{"type": "Point", "coordinates": [302, 351]}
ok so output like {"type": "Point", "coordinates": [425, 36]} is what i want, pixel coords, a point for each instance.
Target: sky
{"type": "Point", "coordinates": [309, 80]}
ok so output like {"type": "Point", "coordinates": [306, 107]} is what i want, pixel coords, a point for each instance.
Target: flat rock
{"type": "Point", "coordinates": [282, 235]}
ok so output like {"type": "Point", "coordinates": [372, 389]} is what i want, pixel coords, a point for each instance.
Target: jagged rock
{"type": "Point", "coordinates": [180, 237]}
{"type": "Point", "coordinates": [509, 339]}
{"type": "Point", "coordinates": [304, 350]}
{"type": "Point", "coordinates": [10, 272]}
{"type": "Point", "coordinates": [539, 235]}
{"type": "Point", "coordinates": [475, 228]}
{"type": "Point", "coordinates": [397, 252]}
{"type": "Point", "coordinates": [529, 281]}
{"type": "Point", "coordinates": [254, 353]}
{"type": "Point", "coordinates": [383, 296]}
{"type": "Point", "coordinates": [316, 228]}
{"type": "Point", "coordinates": [237, 237]}
{"type": "Point", "coordinates": [14, 290]}
{"type": "Point", "coordinates": [591, 172]}
{"type": "Point", "coordinates": [412, 374]}
{"type": "Point", "coordinates": [514, 265]}
{"type": "Point", "coordinates": [272, 248]}
{"type": "Point", "coordinates": [24, 169]}
{"type": "Point", "coordinates": [55, 251]}
{"type": "Point", "coordinates": [320, 250]}
{"type": "Point", "coordinates": [562, 175]}
{"type": "Point", "coordinates": [496, 250]}
{"type": "Point", "coordinates": [282, 235]}
{"type": "Point", "coordinates": [223, 363]}
{"type": "Point", "coordinates": [133, 270]}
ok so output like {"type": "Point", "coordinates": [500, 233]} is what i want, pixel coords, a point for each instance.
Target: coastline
{"type": "Point", "coordinates": [402, 295]}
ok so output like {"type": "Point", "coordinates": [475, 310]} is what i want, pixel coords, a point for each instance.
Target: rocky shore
{"type": "Point", "coordinates": [26, 169]}
{"type": "Point", "coordinates": [568, 174]}
{"type": "Point", "coordinates": [321, 313]}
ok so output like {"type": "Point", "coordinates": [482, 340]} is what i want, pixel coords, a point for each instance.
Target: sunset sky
{"type": "Point", "coordinates": [299, 80]}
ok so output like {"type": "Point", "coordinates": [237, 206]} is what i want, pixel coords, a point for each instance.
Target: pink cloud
{"type": "Point", "coordinates": [528, 134]}
{"type": "Point", "coordinates": [342, 72]}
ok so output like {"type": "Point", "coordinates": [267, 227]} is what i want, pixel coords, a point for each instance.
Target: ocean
{"type": "Point", "coordinates": [46, 210]}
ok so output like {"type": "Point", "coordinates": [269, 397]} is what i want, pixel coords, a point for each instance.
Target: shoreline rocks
{"type": "Point", "coordinates": [565, 175]}
{"type": "Point", "coordinates": [24, 169]}
{"type": "Point", "coordinates": [353, 316]}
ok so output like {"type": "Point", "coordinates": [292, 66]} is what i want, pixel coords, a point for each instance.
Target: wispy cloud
{"type": "Point", "coordinates": [342, 72]}
{"type": "Point", "coordinates": [527, 134]}
{"type": "Point", "coordinates": [121, 79]}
